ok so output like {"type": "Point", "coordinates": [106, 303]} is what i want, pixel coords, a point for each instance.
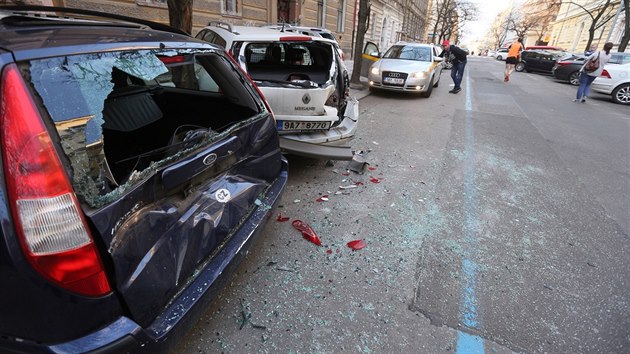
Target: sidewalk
{"type": "Point", "coordinates": [355, 91]}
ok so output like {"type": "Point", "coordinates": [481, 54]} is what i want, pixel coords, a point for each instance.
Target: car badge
{"type": "Point", "coordinates": [223, 195]}
{"type": "Point", "coordinates": [306, 98]}
{"type": "Point", "coordinates": [210, 159]}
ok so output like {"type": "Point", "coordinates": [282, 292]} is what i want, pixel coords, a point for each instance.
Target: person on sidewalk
{"type": "Point", "coordinates": [514, 53]}
{"type": "Point", "coordinates": [458, 58]}
{"type": "Point", "coordinates": [592, 68]}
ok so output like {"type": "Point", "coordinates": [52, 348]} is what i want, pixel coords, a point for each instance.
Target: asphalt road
{"type": "Point", "coordinates": [499, 223]}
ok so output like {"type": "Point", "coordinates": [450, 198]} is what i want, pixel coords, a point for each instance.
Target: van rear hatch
{"type": "Point", "coordinates": [168, 152]}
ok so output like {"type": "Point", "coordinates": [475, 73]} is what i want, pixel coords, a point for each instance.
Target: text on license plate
{"type": "Point", "coordinates": [394, 80]}
{"type": "Point", "coordinates": [284, 125]}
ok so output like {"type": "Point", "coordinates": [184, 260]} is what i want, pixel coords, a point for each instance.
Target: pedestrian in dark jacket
{"type": "Point", "coordinates": [458, 58]}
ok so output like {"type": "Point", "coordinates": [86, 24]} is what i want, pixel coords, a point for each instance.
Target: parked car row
{"type": "Point", "coordinates": [614, 81]}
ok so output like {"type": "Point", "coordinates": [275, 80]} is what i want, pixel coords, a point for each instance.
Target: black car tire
{"type": "Point", "coordinates": [574, 78]}
{"type": "Point", "coordinates": [499, 57]}
{"type": "Point", "coordinates": [429, 90]}
{"type": "Point", "coordinates": [621, 94]}
{"type": "Point", "coordinates": [519, 67]}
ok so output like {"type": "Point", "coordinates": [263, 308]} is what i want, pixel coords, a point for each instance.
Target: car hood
{"type": "Point", "coordinates": [400, 65]}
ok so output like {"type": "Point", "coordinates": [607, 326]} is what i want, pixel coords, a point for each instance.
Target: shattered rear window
{"type": "Point", "coordinates": [122, 115]}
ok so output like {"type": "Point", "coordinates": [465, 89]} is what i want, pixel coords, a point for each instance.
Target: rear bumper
{"type": "Point", "coordinates": [124, 335]}
{"type": "Point", "coordinates": [602, 87]}
{"type": "Point", "coordinates": [336, 136]}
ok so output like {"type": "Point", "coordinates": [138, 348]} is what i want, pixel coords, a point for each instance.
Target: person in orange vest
{"type": "Point", "coordinates": [514, 52]}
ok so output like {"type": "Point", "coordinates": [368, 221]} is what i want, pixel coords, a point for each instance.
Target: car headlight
{"type": "Point", "coordinates": [420, 75]}
{"type": "Point", "coordinates": [375, 70]}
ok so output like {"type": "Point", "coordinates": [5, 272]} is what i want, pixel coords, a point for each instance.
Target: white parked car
{"type": "Point", "coordinates": [615, 79]}
{"type": "Point", "coordinates": [304, 81]}
{"type": "Point", "coordinates": [409, 67]}
{"type": "Point", "coordinates": [501, 54]}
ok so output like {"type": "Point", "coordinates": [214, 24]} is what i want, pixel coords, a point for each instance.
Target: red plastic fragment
{"type": "Point", "coordinates": [323, 198]}
{"type": "Point", "coordinates": [307, 231]}
{"type": "Point", "coordinates": [359, 183]}
{"type": "Point", "coordinates": [372, 168]}
{"type": "Point", "coordinates": [329, 251]}
{"type": "Point", "coordinates": [375, 180]}
{"type": "Point", "coordinates": [282, 218]}
{"type": "Point", "coordinates": [345, 174]}
{"type": "Point", "coordinates": [356, 244]}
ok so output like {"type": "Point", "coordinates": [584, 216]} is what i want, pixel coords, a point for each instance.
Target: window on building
{"type": "Point", "coordinates": [320, 13]}
{"type": "Point", "coordinates": [372, 24]}
{"type": "Point", "coordinates": [341, 16]}
{"type": "Point", "coordinates": [230, 7]}
{"type": "Point", "coordinates": [152, 3]}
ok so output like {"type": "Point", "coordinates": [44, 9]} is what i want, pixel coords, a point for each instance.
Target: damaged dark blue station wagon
{"type": "Point", "coordinates": [138, 164]}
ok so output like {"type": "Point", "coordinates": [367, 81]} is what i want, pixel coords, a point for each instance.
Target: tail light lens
{"type": "Point", "coordinates": [50, 225]}
{"type": "Point", "coordinates": [563, 63]}
{"type": "Point", "coordinates": [606, 74]}
{"type": "Point", "coordinates": [295, 39]}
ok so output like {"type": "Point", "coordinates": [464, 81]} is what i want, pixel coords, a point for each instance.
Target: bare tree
{"type": "Point", "coordinates": [180, 14]}
{"type": "Point", "coordinates": [450, 16]}
{"type": "Point", "coordinates": [600, 14]}
{"type": "Point", "coordinates": [364, 14]}
{"type": "Point", "coordinates": [540, 13]}
{"type": "Point", "coordinates": [521, 24]}
{"type": "Point", "coordinates": [626, 34]}
{"type": "Point", "coordinates": [498, 33]}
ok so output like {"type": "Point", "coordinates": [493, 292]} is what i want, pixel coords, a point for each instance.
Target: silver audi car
{"type": "Point", "coordinates": [409, 67]}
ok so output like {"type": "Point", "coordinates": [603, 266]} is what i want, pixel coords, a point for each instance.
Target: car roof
{"type": "Point", "coordinates": [250, 33]}
{"type": "Point", "coordinates": [82, 34]}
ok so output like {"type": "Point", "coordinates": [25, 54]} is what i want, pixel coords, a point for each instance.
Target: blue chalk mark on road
{"type": "Point", "coordinates": [468, 343]}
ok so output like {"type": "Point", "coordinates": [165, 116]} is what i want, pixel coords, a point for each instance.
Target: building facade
{"type": "Point", "coordinates": [570, 29]}
{"type": "Point", "coordinates": [389, 22]}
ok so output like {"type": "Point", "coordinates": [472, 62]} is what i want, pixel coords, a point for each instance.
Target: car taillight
{"type": "Point", "coordinates": [50, 225]}
{"type": "Point", "coordinates": [563, 63]}
{"type": "Point", "coordinates": [606, 74]}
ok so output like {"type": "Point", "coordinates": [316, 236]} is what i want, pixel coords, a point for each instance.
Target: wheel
{"type": "Point", "coordinates": [429, 90]}
{"type": "Point", "coordinates": [519, 67]}
{"type": "Point", "coordinates": [499, 57]}
{"type": "Point", "coordinates": [621, 94]}
{"type": "Point", "coordinates": [574, 78]}
{"type": "Point", "coordinates": [438, 80]}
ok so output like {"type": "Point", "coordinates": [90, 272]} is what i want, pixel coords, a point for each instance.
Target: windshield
{"type": "Point", "coordinates": [408, 52]}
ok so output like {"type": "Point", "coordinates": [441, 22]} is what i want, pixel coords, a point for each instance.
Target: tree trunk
{"type": "Point", "coordinates": [180, 14]}
{"type": "Point", "coordinates": [591, 35]}
{"type": "Point", "coordinates": [364, 13]}
{"type": "Point", "coordinates": [626, 35]}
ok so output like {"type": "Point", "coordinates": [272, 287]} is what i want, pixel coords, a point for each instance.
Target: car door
{"type": "Point", "coordinates": [547, 62]}
{"type": "Point", "coordinates": [370, 55]}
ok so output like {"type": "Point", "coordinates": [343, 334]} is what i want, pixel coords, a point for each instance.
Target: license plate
{"type": "Point", "coordinates": [394, 80]}
{"type": "Point", "coordinates": [288, 125]}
